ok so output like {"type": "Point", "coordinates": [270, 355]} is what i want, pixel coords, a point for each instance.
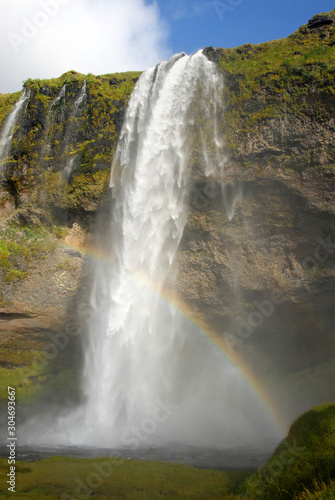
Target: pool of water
{"type": "Point", "coordinates": [230, 459]}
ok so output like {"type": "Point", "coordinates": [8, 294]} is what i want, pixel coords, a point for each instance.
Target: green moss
{"type": "Point", "coordinates": [66, 265]}
{"type": "Point", "coordinates": [14, 276]}
{"type": "Point", "coordinates": [87, 137]}
{"type": "Point", "coordinates": [273, 79]}
{"type": "Point", "coordinates": [296, 62]}
{"type": "Point", "coordinates": [87, 189]}
{"type": "Point", "coordinates": [7, 102]}
{"type": "Point", "coordinates": [60, 232]}
{"type": "Point", "coordinates": [25, 380]}
{"type": "Point", "coordinates": [84, 191]}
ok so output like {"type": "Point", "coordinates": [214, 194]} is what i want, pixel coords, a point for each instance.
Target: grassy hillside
{"type": "Point", "coordinates": [290, 76]}
{"type": "Point", "coordinates": [303, 465]}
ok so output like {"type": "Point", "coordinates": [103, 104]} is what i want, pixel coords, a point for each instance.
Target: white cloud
{"type": "Point", "coordinates": [46, 38]}
{"type": "Point", "coordinates": [180, 9]}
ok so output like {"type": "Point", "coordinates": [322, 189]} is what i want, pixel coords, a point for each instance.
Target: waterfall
{"type": "Point", "coordinates": [81, 100]}
{"type": "Point", "coordinates": [57, 114]}
{"type": "Point", "coordinates": [57, 107]}
{"type": "Point", "coordinates": [72, 130]}
{"type": "Point", "coordinates": [6, 136]}
{"type": "Point", "coordinates": [150, 376]}
{"type": "Point", "coordinates": [144, 358]}
{"type": "Point", "coordinates": [60, 99]}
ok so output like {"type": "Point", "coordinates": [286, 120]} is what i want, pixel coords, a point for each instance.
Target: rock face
{"type": "Point", "coordinates": [256, 262]}
{"type": "Point", "coordinates": [318, 21]}
{"type": "Point", "coordinates": [257, 259]}
{"type": "Point", "coordinates": [63, 143]}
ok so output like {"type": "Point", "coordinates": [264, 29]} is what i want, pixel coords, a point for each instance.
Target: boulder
{"type": "Point", "coordinates": [319, 20]}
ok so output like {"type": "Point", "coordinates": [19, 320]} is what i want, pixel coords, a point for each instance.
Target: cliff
{"type": "Point", "coordinates": [256, 262]}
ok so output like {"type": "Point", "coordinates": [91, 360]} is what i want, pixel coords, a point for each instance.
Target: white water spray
{"type": "Point", "coordinates": [6, 137]}
{"type": "Point", "coordinates": [150, 377]}
{"type": "Point", "coordinates": [142, 355]}
{"type": "Point", "coordinates": [60, 99]}
{"type": "Point", "coordinates": [72, 130]}
{"type": "Point", "coordinates": [81, 100]}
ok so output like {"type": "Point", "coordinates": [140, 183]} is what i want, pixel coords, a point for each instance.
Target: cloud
{"type": "Point", "coordinates": [46, 38]}
{"type": "Point", "coordinates": [179, 9]}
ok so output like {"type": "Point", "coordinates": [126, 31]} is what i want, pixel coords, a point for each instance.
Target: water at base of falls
{"type": "Point", "coordinates": [150, 376]}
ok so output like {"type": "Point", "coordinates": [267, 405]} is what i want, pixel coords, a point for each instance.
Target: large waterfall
{"type": "Point", "coordinates": [150, 375]}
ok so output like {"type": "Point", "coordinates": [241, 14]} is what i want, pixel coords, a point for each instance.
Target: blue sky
{"type": "Point", "coordinates": [46, 38]}
{"type": "Point", "coordinates": [196, 24]}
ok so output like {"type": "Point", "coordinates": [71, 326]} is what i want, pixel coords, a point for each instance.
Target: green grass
{"type": "Point", "coordinates": [304, 461]}
{"type": "Point", "coordinates": [266, 81]}
{"type": "Point", "coordinates": [297, 62]}
{"type": "Point", "coordinates": [7, 102]}
{"type": "Point", "coordinates": [19, 248]}
{"type": "Point", "coordinates": [112, 478]}
{"type": "Point", "coordinates": [321, 492]}
{"type": "Point", "coordinates": [95, 84]}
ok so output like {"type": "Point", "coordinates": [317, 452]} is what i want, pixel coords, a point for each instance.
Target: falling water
{"type": "Point", "coordinates": [72, 130]}
{"type": "Point", "coordinates": [57, 107]}
{"type": "Point", "coordinates": [143, 357]}
{"type": "Point", "coordinates": [57, 114]}
{"type": "Point", "coordinates": [6, 137]}
{"type": "Point", "coordinates": [81, 100]}
{"type": "Point", "coordinates": [150, 376]}
{"type": "Point", "coordinates": [60, 99]}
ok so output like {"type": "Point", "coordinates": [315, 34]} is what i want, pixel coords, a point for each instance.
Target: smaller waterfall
{"type": "Point", "coordinates": [69, 167]}
{"type": "Point", "coordinates": [70, 123]}
{"type": "Point", "coordinates": [71, 133]}
{"type": "Point", "coordinates": [57, 106]}
{"type": "Point", "coordinates": [59, 99]}
{"type": "Point", "coordinates": [81, 100]}
{"type": "Point", "coordinates": [6, 137]}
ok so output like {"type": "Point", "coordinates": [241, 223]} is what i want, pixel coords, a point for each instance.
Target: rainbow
{"type": "Point", "coordinates": [269, 405]}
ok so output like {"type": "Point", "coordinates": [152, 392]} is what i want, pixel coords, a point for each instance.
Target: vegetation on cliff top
{"type": "Point", "coordinates": [301, 63]}
{"type": "Point", "coordinates": [110, 86]}
{"type": "Point", "coordinates": [55, 149]}
{"type": "Point", "coordinates": [269, 80]}
{"type": "Point", "coordinates": [65, 140]}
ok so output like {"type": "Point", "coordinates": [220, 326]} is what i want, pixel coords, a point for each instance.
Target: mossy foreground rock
{"type": "Point", "coordinates": [304, 463]}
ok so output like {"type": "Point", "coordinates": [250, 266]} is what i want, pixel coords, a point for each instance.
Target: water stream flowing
{"type": "Point", "coordinates": [150, 376]}
{"type": "Point", "coordinates": [6, 136]}
{"type": "Point", "coordinates": [71, 132]}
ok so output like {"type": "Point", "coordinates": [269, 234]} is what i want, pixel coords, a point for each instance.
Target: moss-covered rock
{"type": "Point", "coordinates": [65, 139]}
{"type": "Point", "coordinates": [281, 84]}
